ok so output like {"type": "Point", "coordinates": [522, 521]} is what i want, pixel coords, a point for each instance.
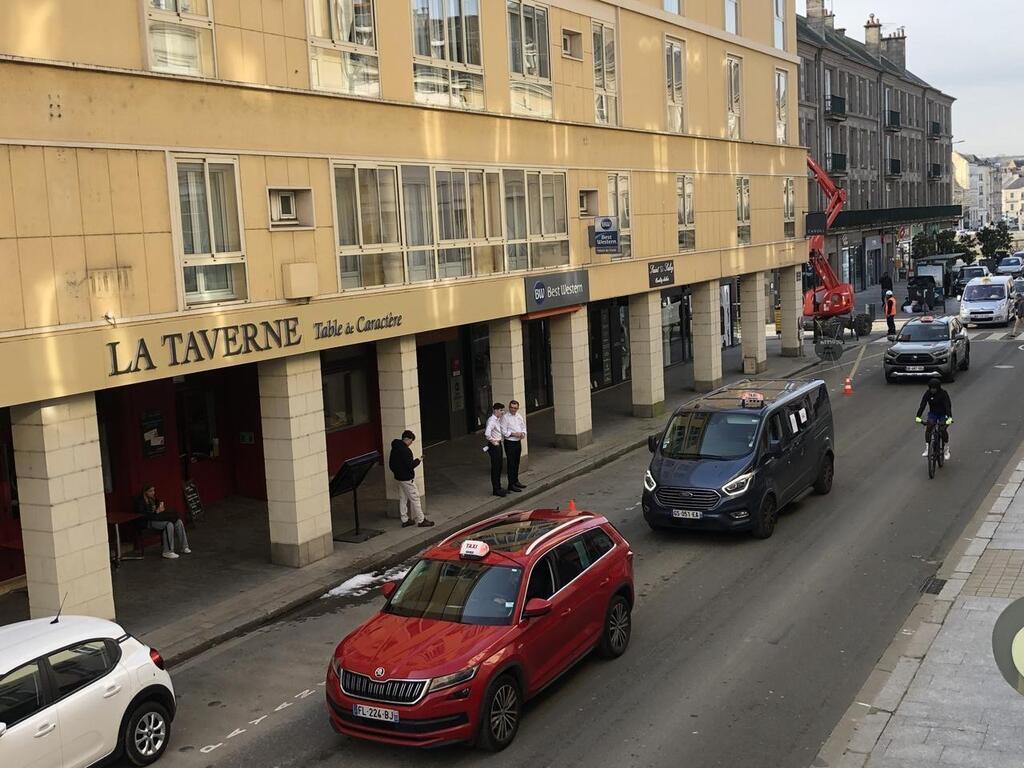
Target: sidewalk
{"type": "Point", "coordinates": [936, 698]}
{"type": "Point", "coordinates": [228, 584]}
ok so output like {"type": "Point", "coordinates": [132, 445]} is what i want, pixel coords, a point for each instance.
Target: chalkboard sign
{"type": "Point", "coordinates": [193, 504]}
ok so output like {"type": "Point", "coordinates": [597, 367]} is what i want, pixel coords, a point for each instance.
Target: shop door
{"type": "Point", "coordinates": [477, 349]}
{"type": "Point", "coordinates": [537, 355]}
{"type": "Point", "coordinates": [600, 327]}
{"type": "Point", "coordinates": [12, 561]}
{"type": "Point", "coordinates": [435, 421]}
{"type": "Point", "coordinates": [203, 449]}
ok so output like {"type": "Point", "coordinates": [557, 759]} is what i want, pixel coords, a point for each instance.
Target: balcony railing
{"type": "Point", "coordinates": [934, 130]}
{"type": "Point", "coordinates": [835, 163]}
{"type": "Point", "coordinates": [892, 120]}
{"type": "Point", "coordinates": [835, 107]}
{"type": "Point", "coordinates": [893, 167]}
{"type": "Point", "coordinates": [934, 170]}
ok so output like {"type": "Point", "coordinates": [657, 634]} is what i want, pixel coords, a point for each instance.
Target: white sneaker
{"type": "Point", "coordinates": [186, 551]}
{"type": "Point", "coordinates": [925, 454]}
{"type": "Point", "coordinates": [170, 555]}
{"type": "Point", "coordinates": [945, 455]}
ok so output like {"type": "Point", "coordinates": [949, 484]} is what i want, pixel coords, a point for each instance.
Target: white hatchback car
{"type": "Point", "coordinates": [78, 690]}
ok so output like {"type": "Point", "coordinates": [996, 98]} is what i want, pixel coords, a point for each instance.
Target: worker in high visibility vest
{"type": "Point", "coordinates": [890, 312]}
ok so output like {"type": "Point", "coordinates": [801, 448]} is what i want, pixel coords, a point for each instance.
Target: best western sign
{"type": "Point", "coordinates": [560, 289]}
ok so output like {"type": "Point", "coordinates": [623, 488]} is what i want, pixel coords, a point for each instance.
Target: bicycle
{"type": "Point", "coordinates": [936, 452]}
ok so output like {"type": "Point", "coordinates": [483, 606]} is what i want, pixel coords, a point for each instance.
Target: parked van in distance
{"type": "Point", "coordinates": [733, 458]}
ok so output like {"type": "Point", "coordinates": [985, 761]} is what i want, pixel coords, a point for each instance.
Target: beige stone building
{"type": "Point", "coordinates": [243, 240]}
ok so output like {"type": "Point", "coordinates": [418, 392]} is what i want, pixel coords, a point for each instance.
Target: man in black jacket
{"type": "Point", "coordinates": [403, 467]}
{"type": "Point", "coordinates": [940, 414]}
{"type": "Point", "coordinates": [885, 284]}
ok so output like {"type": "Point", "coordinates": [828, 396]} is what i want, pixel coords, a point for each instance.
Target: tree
{"type": "Point", "coordinates": [988, 240]}
{"type": "Point", "coordinates": [1003, 237]}
{"type": "Point", "coordinates": [968, 246]}
{"type": "Point", "coordinates": [945, 241]}
{"type": "Point", "coordinates": [923, 245]}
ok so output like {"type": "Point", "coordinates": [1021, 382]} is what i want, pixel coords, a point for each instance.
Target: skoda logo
{"type": "Point", "coordinates": [379, 672]}
{"type": "Point", "coordinates": [539, 292]}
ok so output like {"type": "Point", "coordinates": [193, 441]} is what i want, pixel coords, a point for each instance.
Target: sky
{"type": "Point", "coordinates": [971, 51]}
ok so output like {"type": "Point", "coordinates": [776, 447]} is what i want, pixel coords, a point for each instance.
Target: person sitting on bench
{"type": "Point", "coordinates": [159, 519]}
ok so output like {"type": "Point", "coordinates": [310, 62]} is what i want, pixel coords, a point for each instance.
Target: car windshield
{"type": "Point", "coordinates": [459, 591]}
{"type": "Point", "coordinates": [710, 435]}
{"type": "Point", "coordinates": [984, 293]}
{"type": "Point", "coordinates": [924, 332]}
{"type": "Point", "coordinates": [1010, 261]}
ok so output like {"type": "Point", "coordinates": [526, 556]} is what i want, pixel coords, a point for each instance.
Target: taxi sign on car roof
{"type": "Point", "coordinates": [751, 399]}
{"type": "Point", "coordinates": [473, 550]}
{"type": "Point", "coordinates": [927, 319]}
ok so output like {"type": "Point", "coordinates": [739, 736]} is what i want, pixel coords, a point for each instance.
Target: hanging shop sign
{"type": "Point", "coordinates": [661, 273]}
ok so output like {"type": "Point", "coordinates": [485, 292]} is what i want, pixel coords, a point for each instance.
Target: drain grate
{"type": "Point", "coordinates": [933, 586]}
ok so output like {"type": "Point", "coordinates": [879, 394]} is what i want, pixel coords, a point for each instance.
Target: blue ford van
{"type": "Point", "coordinates": [733, 458]}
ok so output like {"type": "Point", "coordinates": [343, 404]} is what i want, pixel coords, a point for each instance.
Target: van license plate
{"type": "Point", "coordinates": [687, 514]}
{"type": "Point", "coordinates": [375, 713]}
{"type": "Point", "coordinates": [915, 368]}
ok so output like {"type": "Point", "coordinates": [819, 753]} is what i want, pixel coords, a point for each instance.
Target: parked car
{"type": "Point", "coordinates": [926, 347]}
{"type": "Point", "coordinates": [482, 622]}
{"type": "Point", "coordinates": [987, 300]}
{"type": "Point", "coordinates": [968, 273]}
{"type": "Point", "coordinates": [1011, 265]}
{"type": "Point", "coordinates": [735, 457]}
{"type": "Point", "coordinates": [76, 690]}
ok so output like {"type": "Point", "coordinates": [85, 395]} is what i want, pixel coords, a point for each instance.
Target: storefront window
{"type": "Point", "coordinates": [201, 424]}
{"type": "Point", "coordinates": [346, 388]}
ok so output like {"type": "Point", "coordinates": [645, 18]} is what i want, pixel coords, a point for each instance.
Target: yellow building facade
{"type": "Point", "coordinates": [270, 189]}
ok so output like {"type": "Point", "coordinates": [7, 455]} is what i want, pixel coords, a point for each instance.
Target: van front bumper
{"type": "Point", "coordinates": [732, 513]}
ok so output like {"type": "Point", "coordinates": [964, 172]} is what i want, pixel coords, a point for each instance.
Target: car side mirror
{"type": "Point", "coordinates": [774, 448]}
{"type": "Point", "coordinates": [652, 443]}
{"type": "Point", "coordinates": [892, 338]}
{"type": "Point", "coordinates": [388, 588]}
{"type": "Point", "coordinates": [536, 606]}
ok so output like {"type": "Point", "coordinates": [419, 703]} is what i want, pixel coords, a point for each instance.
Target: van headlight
{"type": "Point", "coordinates": [447, 681]}
{"type": "Point", "coordinates": [649, 482]}
{"type": "Point", "coordinates": [739, 485]}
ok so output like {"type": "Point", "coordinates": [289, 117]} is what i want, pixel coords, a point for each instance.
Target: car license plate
{"type": "Point", "coordinates": [375, 713]}
{"type": "Point", "coordinates": [687, 514]}
{"type": "Point", "coordinates": [915, 368]}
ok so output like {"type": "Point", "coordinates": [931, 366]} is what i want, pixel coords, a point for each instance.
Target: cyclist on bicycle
{"type": "Point", "coordinates": [940, 414]}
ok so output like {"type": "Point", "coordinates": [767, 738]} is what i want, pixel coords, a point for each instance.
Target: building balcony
{"type": "Point", "coordinates": [893, 121]}
{"type": "Point", "coordinates": [893, 167]}
{"type": "Point", "coordinates": [835, 163]}
{"type": "Point", "coordinates": [835, 108]}
{"type": "Point", "coordinates": [934, 131]}
{"type": "Point", "coordinates": [934, 170]}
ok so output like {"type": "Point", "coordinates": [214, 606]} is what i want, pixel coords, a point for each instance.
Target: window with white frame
{"type": "Point", "coordinates": [618, 206]}
{"type": "Point", "coordinates": [734, 96]}
{"type": "Point", "coordinates": [179, 37]}
{"type": "Point", "coordinates": [732, 16]}
{"type": "Point", "coordinates": [675, 84]}
{"type": "Point", "coordinates": [606, 102]}
{"type": "Point", "coordinates": [212, 255]}
{"type": "Point", "coordinates": [685, 220]}
{"type": "Point", "coordinates": [788, 208]}
{"type": "Point", "coordinates": [743, 210]}
{"type": "Point", "coordinates": [781, 106]}
{"type": "Point", "coordinates": [369, 243]}
{"type": "Point", "coordinates": [672, 6]}
{"type": "Point", "coordinates": [536, 220]}
{"type": "Point", "coordinates": [447, 67]}
{"type": "Point", "coordinates": [529, 65]}
{"type": "Point", "coordinates": [779, 27]}
{"type": "Point", "coordinates": [343, 47]}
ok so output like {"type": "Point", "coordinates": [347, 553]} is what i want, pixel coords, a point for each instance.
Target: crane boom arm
{"type": "Point", "coordinates": [835, 199]}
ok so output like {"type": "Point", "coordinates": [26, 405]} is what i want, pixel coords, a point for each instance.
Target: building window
{"type": "Point", "coordinates": [734, 94]}
{"type": "Point", "coordinates": [345, 387]}
{"type": "Point", "coordinates": [366, 200]}
{"type": "Point", "coordinates": [781, 106]}
{"type": "Point", "coordinates": [673, 6]}
{"type": "Point", "coordinates": [447, 68]}
{"type": "Point", "coordinates": [780, 24]}
{"type": "Point", "coordinates": [743, 210]}
{"type": "Point", "coordinates": [179, 37]}
{"type": "Point", "coordinates": [606, 102]}
{"type": "Point", "coordinates": [685, 221]}
{"type": "Point", "coordinates": [536, 219]}
{"type": "Point", "coordinates": [732, 16]}
{"type": "Point", "coordinates": [675, 85]}
{"type": "Point", "coordinates": [213, 259]}
{"type": "Point", "coordinates": [572, 44]}
{"type": "Point", "coordinates": [343, 47]}
{"type": "Point", "coordinates": [788, 208]}
{"type": "Point", "coordinates": [618, 206]}
{"type": "Point", "coordinates": [528, 59]}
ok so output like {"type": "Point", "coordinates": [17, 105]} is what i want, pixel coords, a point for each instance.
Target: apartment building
{"type": "Point", "coordinates": [246, 240]}
{"type": "Point", "coordinates": [979, 188]}
{"type": "Point", "coordinates": [882, 133]}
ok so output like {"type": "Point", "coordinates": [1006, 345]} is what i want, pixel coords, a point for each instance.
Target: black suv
{"type": "Point", "coordinates": [732, 459]}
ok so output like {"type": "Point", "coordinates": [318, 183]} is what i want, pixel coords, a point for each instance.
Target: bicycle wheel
{"type": "Point", "coordinates": [931, 463]}
{"type": "Point", "coordinates": [939, 453]}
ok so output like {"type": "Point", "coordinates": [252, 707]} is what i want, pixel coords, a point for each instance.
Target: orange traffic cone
{"type": "Point", "coordinates": [848, 387]}
{"type": "Point", "coordinates": [572, 505]}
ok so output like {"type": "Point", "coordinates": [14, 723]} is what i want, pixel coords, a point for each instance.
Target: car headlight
{"type": "Point", "coordinates": [649, 482]}
{"type": "Point", "coordinates": [447, 681]}
{"type": "Point", "coordinates": [336, 667]}
{"type": "Point", "coordinates": [890, 354]}
{"type": "Point", "coordinates": [738, 485]}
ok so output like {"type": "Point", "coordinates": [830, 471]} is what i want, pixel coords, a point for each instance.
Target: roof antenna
{"type": "Point", "coordinates": [61, 608]}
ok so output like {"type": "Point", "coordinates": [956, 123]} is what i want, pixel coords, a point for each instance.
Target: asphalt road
{"type": "Point", "coordinates": [744, 653]}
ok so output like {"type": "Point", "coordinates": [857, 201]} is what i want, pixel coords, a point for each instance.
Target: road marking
{"type": "Point", "coordinates": [856, 365]}
{"type": "Point", "coordinates": [1003, 367]}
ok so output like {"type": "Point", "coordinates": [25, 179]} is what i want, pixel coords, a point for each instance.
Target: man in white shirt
{"type": "Point", "coordinates": [513, 429]}
{"type": "Point", "coordinates": [494, 437]}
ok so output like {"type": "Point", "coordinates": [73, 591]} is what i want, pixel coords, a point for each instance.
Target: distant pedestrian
{"type": "Point", "coordinates": [403, 467]}
{"type": "Point", "coordinates": [890, 312]}
{"type": "Point", "coordinates": [513, 430]}
{"type": "Point", "coordinates": [886, 285]}
{"type": "Point", "coordinates": [495, 438]}
{"type": "Point", "coordinates": [1018, 313]}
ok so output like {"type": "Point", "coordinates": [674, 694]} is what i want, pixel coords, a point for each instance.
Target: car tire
{"type": "Point", "coordinates": [765, 519]}
{"type": "Point", "coordinates": [890, 379]}
{"type": "Point", "coordinates": [950, 376]}
{"type": "Point", "coordinates": [823, 483]}
{"type": "Point", "coordinates": [146, 733]}
{"type": "Point", "coordinates": [499, 718]}
{"type": "Point", "coordinates": [966, 364]}
{"type": "Point", "coordinates": [618, 625]}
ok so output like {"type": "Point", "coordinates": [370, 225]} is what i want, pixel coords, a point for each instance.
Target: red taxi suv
{"type": "Point", "coordinates": [484, 621]}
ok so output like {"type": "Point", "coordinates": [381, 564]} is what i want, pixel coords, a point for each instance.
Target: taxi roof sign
{"type": "Point", "coordinates": [928, 319]}
{"type": "Point", "coordinates": [751, 399]}
{"type": "Point", "coordinates": [473, 550]}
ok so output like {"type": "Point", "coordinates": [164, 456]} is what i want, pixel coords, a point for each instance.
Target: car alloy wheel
{"type": "Point", "coordinates": [764, 526]}
{"type": "Point", "coordinates": [150, 733]}
{"type": "Point", "coordinates": [504, 714]}
{"type": "Point", "coordinates": [147, 733]}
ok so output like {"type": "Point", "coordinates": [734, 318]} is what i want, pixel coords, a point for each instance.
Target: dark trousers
{"type": "Point", "coordinates": [494, 452]}
{"type": "Point", "coordinates": [513, 452]}
{"type": "Point", "coordinates": [891, 322]}
{"type": "Point", "coordinates": [932, 424]}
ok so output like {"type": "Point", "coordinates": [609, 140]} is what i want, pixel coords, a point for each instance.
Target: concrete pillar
{"type": "Point", "coordinates": [295, 456]}
{"type": "Point", "coordinates": [399, 408]}
{"type": "Point", "coordinates": [706, 327]}
{"type": "Point", "coordinates": [753, 306]}
{"type": "Point", "coordinates": [63, 514]}
{"type": "Point", "coordinates": [792, 299]}
{"type": "Point", "coordinates": [646, 356]}
{"type": "Point", "coordinates": [570, 380]}
{"type": "Point", "coordinates": [508, 374]}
